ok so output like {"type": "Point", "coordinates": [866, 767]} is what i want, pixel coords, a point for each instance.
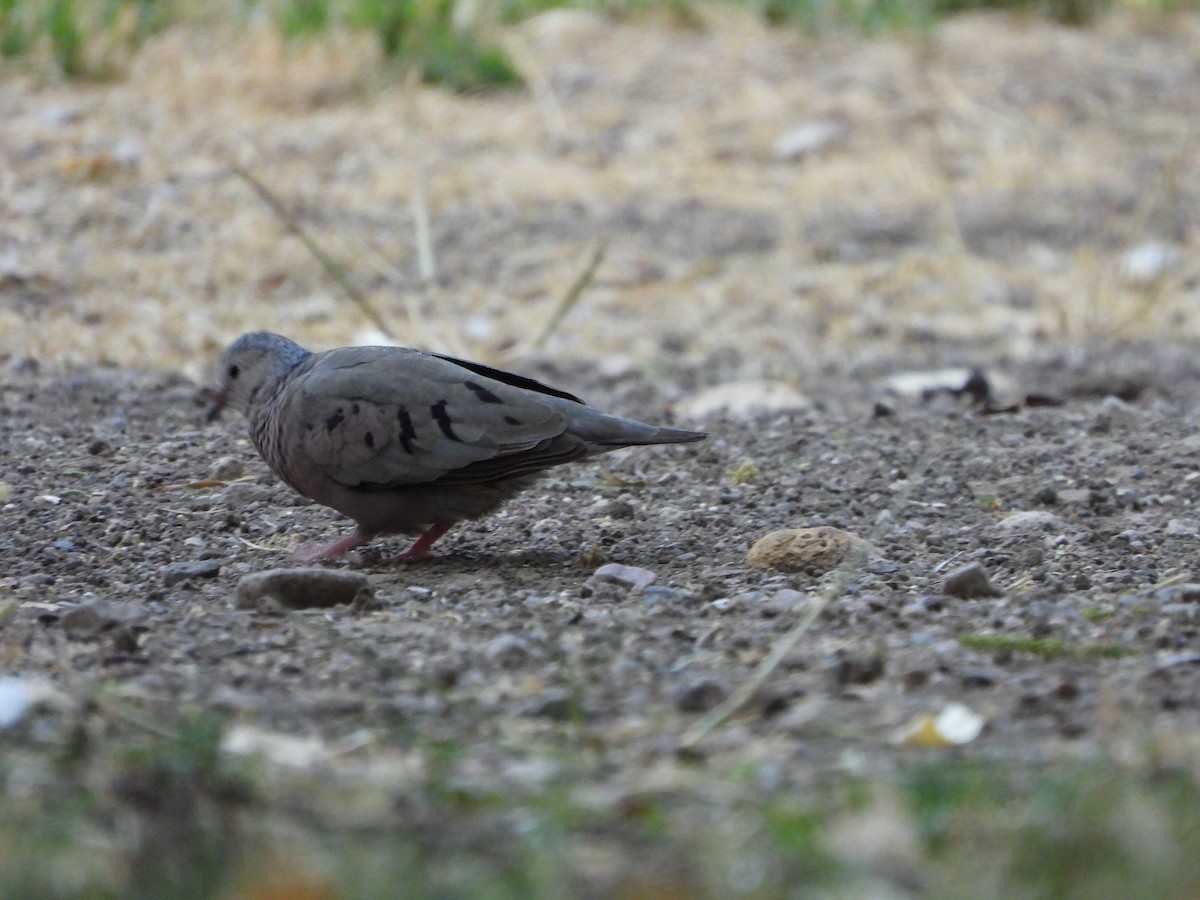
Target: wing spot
{"type": "Point", "coordinates": [354, 409]}
{"type": "Point", "coordinates": [438, 411]}
{"type": "Point", "coordinates": [334, 421]}
{"type": "Point", "coordinates": [512, 420]}
{"type": "Point", "coordinates": [482, 393]}
{"type": "Point", "coordinates": [407, 432]}
{"type": "Point", "coordinates": [369, 439]}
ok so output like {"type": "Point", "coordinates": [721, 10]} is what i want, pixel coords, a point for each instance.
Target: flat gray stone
{"type": "Point", "coordinates": [631, 578]}
{"type": "Point", "coordinates": [302, 588]}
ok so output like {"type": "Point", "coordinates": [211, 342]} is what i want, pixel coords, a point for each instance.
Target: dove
{"type": "Point", "coordinates": [408, 442]}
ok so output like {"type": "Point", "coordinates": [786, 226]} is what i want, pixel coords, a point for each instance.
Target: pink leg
{"type": "Point", "coordinates": [330, 551]}
{"type": "Point", "coordinates": [420, 550]}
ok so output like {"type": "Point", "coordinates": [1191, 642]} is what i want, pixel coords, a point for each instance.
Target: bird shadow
{"type": "Point", "coordinates": [456, 563]}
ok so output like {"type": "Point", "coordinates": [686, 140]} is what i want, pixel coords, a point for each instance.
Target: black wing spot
{"type": "Point", "coordinates": [369, 439]}
{"type": "Point", "coordinates": [354, 409]}
{"type": "Point", "coordinates": [438, 411]}
{"type": "Point", "coordinates": [407, 432]}
{"type": "Point", "coordinates": [513, 421]}
{"type": "Point", "coordinates": [482, 393]}
{"type": "Point", "coordinates": [334, 421]}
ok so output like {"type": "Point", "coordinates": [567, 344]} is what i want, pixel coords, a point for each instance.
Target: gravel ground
{"type": "Point", "coordinates": [125, 556]}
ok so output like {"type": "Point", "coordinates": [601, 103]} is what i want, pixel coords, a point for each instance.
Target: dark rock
{"type": "Point", "coordinates": [631, 578]}
{"type": "Point", "coordinates": [1047, 496]}
{"type": "Point", "coordinates": [507, 651]}
{"type": "Point", "coordinates": [700, 694]}
{"type": "Point", "coordinates": [183, 571]}
{"type": "Point", "coordinates": [96, 616]}
{"type": "Point", "coordinates": [853, 668]}
{"type": "Point", "coordinates": [969, 582]}
{"type": "Point", "coordinates": [557, 705]}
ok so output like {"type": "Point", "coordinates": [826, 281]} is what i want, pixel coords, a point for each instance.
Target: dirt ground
{"type": "Point", "coordinates": [1007, 196]}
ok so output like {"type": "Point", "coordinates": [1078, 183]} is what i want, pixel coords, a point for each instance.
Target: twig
{"type": "Point", "coordinates": [786, 644]}
{"type": "Point", "coordinates": [114, 707]}
{"type": "Point", "coordinates": [574, 292]}
{"type": "Point", "coordinates": [540, 86]}
{"type": "Point", "coordinates": [426, 263]}
{"type": "Point", "coordinates": [335, 269]}
{"type": "Point", "coordinates": [747, 689]}
{"type": "Point", "coordinates": [122, 711]}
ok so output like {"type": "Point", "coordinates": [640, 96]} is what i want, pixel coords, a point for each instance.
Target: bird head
{"type": "Point", "coordinates": [251, 368]}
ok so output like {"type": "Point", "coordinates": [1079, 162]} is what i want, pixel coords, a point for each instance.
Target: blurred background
{"type": "Point", "coordinates": [769, 188]}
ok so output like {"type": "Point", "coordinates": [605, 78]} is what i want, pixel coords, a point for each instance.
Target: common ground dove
{"type": "Point", "coordinates": [405, 441]}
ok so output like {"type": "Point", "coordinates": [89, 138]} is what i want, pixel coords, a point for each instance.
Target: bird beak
{"type": "Point", "coordinates": [214, 410]}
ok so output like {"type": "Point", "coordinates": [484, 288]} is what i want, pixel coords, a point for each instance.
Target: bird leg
{"type": "Point", "coordinates": [420, 550]}
{"type": "Point", "coordinates": [330, 551]}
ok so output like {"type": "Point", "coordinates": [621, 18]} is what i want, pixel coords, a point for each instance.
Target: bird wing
{"type": "Point", "coordinates": [382, 417]}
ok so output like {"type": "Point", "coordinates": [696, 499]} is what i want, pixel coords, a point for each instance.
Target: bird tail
{"type": "Point", "coordinates": [608, 432]}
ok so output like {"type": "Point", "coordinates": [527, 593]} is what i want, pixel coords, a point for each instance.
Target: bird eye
{"type": "Point", "coordinates": [233, 371]}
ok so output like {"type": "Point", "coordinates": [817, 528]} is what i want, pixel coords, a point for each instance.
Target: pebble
{"type": "Point", "coordinates": [56, 115]}
{"type": "Point", "coordinates": [785, 602]}
{"type": "Point", "coordinates": [15, 700]}
{"type": "Point", "coordinates": [668, 595]}
{"type": "Point", "coordinates": [36, 580]}
{"type": "Point", "coordinates": [556, 705]}
{"type": "Point", "coordinates": [183, 571]}
{"type": "Point", "coordinates": [1149, 261]}
{"type": "Point", "coordinates": [613, 509]}
{"type": "Point", "coordinates": [699, 694]}
{"type": "Point", "coordinates": [1074, 495]}
{"type": "Point", "coordinates": [556, 26]}
{"type": "Point", "coordinates": [1182, 528]}
{"type": "Point", "coordinates": [968, 582]}
{"type": "Point", "coordinates": [20, 694]}
{"type": "Point", "coordinates": [1187, 592]}
{"type": "Point", "coordinates": [742, 400]}
{"type": "Point", "coordinates": [243, 493]}
{"type": "Point", "coordinates": [1047, 496]}
{"type": "Point", "coordinates": [796, 549]}
{"type": "Point", "coordinates": [507, 651]}
{"type": "Point", "coordinates": [1030, 520]}
{"type": "Point", "coordinates": [808, 138]}
{"type": "Point", "coordinates": [920, 384]}
{"type": "Point", "coordinates": [227, 468]}
{"type": "Point", "coordinates": [302, 588]}
{"type": "Point", "coordinates": [859, 668]}
{"type": "Point", "coordinates": [90, 618]}
{"type": "Point", "coordinates": [978, 678]}
{"type": "Point", "coordinates": [631, 578]}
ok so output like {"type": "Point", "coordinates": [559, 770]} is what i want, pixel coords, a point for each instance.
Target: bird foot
{"type": "Point", "coordinates": [420, 549]}
{"type": "Point", "coordinates": [313, 552]}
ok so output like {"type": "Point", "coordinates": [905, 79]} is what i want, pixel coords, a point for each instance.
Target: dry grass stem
{"type": "Point", "coordinates": [585, 277]}
{"type": "Point", "coordinates": [746, 691]}
{"type": "Point", "coordinates": [335, 269]}
{"type": "Point", "coordinates": [426, 262]}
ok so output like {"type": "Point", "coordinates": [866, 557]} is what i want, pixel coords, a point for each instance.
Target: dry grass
{"type": "Point", "coordinates": [990, 179]}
